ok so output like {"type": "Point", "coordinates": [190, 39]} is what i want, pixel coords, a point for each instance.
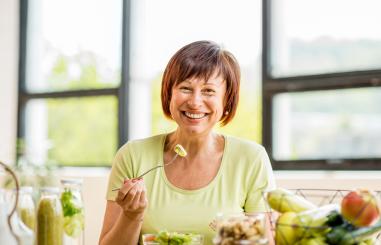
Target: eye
{"type": "Point", "coordinates": [209, 91]}
{"type": "Point", "coordinates": [185, 89]}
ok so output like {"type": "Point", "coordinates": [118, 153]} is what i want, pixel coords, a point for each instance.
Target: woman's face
{"type": "Point", "coordinates": [197, 105]}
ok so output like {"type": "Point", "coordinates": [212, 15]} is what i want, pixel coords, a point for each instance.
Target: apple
{"type": "Point", "coordinates": [360, 208]}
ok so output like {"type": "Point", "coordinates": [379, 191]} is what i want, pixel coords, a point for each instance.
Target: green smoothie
{"type": "Point", "coordinates": [49, 221]}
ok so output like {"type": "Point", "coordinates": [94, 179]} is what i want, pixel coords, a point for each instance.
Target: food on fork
{"type": "Point", "coordinates": [179, 149]}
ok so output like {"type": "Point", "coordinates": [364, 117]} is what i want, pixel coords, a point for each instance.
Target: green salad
{"type": "Point", "coordinates": [174, 238]}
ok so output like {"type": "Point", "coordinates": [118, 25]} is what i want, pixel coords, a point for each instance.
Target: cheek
{"type": "Point", "coordinates": [218, 107]}
{"type": "Point", "coordinates": [175, 103]}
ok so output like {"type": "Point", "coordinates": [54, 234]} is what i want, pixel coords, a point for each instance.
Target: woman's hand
{"type": "Point", "coordinates": [132, 198]}
{"type": "Point", "coordinates": [122, 223]}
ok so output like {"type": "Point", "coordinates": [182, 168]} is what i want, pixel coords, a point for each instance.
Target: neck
{"type": "Point", "coordinates": [194, 145]}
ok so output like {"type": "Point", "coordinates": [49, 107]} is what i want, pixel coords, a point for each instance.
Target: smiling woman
{"type": "Point", "coordinates": [194, 88]}
{"type": "Point", "coordinates": [194, 73]}
{"type": "Point", "coordinates": [220, 173]}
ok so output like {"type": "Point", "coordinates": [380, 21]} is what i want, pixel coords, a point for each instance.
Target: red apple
{"type": "Point", "coordinates": [360, 208]}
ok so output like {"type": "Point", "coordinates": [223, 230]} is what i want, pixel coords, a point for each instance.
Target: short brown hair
{"type": "Point", "coordinates": [202, 59]}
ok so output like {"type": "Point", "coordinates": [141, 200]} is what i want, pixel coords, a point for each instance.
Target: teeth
{"type": "Point", "coordinates": [195, 116]}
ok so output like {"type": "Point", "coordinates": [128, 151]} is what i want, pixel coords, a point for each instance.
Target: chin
{"type": "Point", "coordinates": [194, 130]}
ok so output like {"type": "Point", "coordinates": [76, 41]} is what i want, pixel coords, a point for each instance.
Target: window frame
{"type": "Point", "coordinates": [272, 86]}
{"type": "Point", "coordinates": [121, 92]}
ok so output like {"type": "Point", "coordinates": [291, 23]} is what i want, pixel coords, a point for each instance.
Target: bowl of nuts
{"type": "Point", "coordinates": [241, 230]}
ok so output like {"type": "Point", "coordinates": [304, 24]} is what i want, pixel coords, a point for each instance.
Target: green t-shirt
{"type": "Point", "coordinates": [245, 172]}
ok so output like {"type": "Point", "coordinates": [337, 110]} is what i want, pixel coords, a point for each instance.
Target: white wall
{"type": "Point", "coordinates": [8, 78]}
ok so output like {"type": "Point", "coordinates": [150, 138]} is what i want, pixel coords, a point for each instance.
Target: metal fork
{"type": "Point", "coordinates": [179, 151]}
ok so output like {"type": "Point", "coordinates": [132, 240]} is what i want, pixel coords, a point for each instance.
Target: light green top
{"type": "Point", "coordinates": [245, 172]}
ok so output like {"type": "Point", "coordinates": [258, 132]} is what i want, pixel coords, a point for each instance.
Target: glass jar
{"type": "Point", "coordinates": [49, 218]}
{"type": "Point", "coordinates": [26, 208]}
{"type": "Point", "coordinates": [6, 236]}
{"type": "Point", "coordinates": [73, 211]}
{"type": "Point", "coordinates": [23, 232]}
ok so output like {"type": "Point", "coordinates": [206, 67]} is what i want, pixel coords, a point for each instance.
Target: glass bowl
{"type": "Point", "coordinates": [173, 238]}
{"type": "Point", "coordinates": [241, 229]}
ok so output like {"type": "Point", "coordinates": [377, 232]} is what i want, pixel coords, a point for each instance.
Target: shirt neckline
{"type": "Point", "coordinates": [202, 189]}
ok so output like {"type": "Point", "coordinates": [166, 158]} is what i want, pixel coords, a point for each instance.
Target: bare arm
{"type": "Point", "coordinates": [269, 230]}
{"type": "Point", "coordinates": [123, 219]}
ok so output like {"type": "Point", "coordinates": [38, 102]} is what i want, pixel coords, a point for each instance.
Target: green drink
{"type": "Point", "coordinates": [49, 218]}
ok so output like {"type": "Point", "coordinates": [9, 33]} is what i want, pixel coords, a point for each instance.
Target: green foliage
{"type": "Point", "coordinates": [81, 71]}
{"type": "Point", "coordinates": [82, 131]}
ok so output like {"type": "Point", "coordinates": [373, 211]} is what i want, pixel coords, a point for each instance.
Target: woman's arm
{"type": "Point", "coordinates": [123, 218]}
{"type": "Point", "coordinates": [269, 228]}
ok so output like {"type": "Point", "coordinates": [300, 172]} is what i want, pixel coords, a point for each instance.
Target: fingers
{"type": "Point", "coordinates": [135, 202]}
{"type": "Point", "coordinates": [132, 196]}
{"type": "Point", "coordinates": [143, 198]}
{"type": "Point", "coordinates": [127, 186]}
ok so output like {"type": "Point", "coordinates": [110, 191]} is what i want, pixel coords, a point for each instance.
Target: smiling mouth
{"type": "Point", "coordinates": [194, 115]}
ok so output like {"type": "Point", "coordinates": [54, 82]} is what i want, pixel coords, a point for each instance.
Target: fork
{"type": "Point", "coordinates": [180, 151]}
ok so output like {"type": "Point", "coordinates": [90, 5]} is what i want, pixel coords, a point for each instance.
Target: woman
{"type": "Point", "coordinates": [200, 88]}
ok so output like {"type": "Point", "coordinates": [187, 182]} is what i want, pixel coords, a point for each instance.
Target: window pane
{"type": "Point", "coordinates": [73, 44]}
{"type": "Point", "coordinates": [171, 24]}
{"type": "Point", "coordinates": [335, 124]}
{"type": "Point", "coordinates": [80, 131]}
{"type": "Point", "coordinates": [324, 36]}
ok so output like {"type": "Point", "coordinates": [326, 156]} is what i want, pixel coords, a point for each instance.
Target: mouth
{"type": "Point", "coordinates": [194, 116]}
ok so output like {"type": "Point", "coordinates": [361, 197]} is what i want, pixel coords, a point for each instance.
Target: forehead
{"type": "Point", "coordinates": [216, 79]}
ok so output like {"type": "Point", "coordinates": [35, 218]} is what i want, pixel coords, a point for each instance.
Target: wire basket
{"type": "Point", "coordinates": [326, 200]}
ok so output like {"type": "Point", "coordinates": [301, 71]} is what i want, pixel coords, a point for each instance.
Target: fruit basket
{"type": "Point", "coordinates": [324, 216]}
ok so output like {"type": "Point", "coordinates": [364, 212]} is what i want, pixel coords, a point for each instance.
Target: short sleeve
{"type": "Point", "coordinates": [262, 180]}
{"type": "Point", "coordinates": [122, 168]}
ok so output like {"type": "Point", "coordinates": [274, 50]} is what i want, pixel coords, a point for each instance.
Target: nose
{"type": "Point", "coordinates": [195, 100]}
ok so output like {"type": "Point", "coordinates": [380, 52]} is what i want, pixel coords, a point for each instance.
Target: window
{"type": "Point", "coordinates": [72, 106]}
{"type": "Point", "coordinates": [160, 28]}
{"type": "Point", "coordinates": [321, 84]}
